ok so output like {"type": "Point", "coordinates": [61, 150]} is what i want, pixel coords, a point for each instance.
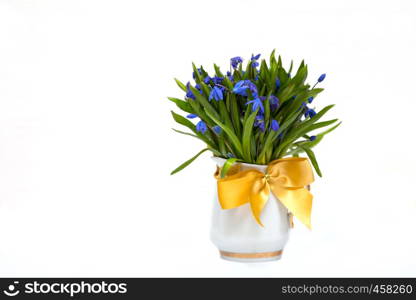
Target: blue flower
{"type": "Point", "coordinates": [189, 93]}
{"type": "Point", "coordinates": [241, 87]}
{"type": "Point", "coordinates": [216, 94]}
{"type": "Point", "coordinates": [312, 138]}
{"type": "Point", "coordinates": [310, 99]}
{"type": "Point", "coordinates": [322, 77]}
{"type": "Point", "coordinates": [278, 83]}
{"type": "Point", "coordinates": [254, 64]}
{"type": "Point", "coordinates": [255, 57]}
{"type": "Point", "coordinates": [310, 112]}
{"type": "Point", "coordinates": [217, 129]}
{"type": "Point", "coordinates": [201, 127]}
{"type": "Point", "coordinates": [274, 102]}
{"type": "Point", "coordinates": [217, 80]}
{"type": "Point", "coordinates": [259, 122]}
{"type": "Point", "coordinates": [275, 125]}
{"type": "Point", "coordinates": [257, 104]}
{"type": "Point", "coordinates": [192, 116]}
{"type": "Point", "coordinates": [230, 76]}
{"type": "Point", "coordinates": [207, 80]}
{"type": "Point", "coordinates": [235, 61]}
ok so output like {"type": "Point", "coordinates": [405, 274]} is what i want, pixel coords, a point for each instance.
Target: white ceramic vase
{"type": "Point", "coordinates": [239, 237]}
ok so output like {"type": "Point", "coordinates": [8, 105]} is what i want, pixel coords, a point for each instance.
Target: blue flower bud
{"type": "Point", "coordinates": [312, 138]}
{"type": "Point", "coordinates": [275, 125]}
{"type": "Point", "coordinates": [192, 116]}
{"type": "Point", "coordinates": [311, 113]}
{"type": "Point", "coordinates": [255, 57]}
{"type": "Point", "coordinates": [274, 102]}
{"type": "Point", "coordinates": [198, 87]}
{"type": "Point", "coordinates": [310, 99]}
{"type": "Point", "coordinates": [278, 83]}
{"type": "Point", "coordinates": [322, 77]}
{"type": "Point", "coordinates": [189, 93]}
{"type": "Point", "coordinates": [259, 122]}
{"type": "Point", "coordinates": [201, 127]}
{"type": "Point", "coordinates": [217, 129]}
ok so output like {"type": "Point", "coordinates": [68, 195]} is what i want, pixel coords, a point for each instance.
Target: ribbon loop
{"type": "Point", "coordinates": [286, 178]}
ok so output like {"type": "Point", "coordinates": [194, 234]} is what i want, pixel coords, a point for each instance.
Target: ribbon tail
{"type": "Point", "coordinates": [298, 201]}
{"type": "Point", "coordinates": [258, 198]}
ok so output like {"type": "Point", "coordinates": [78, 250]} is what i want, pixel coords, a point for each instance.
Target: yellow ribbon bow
{"type": "Point", "coordinates": [286, 178]}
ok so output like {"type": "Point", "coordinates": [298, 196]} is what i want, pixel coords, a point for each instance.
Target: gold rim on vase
{"type": "Point", "coordinates": [251, 255]}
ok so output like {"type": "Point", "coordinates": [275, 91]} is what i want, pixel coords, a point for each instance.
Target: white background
{"type": "Point", "coordinates": [86, 145]}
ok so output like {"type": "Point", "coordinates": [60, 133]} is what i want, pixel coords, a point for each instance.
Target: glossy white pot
{"type": "Point", "coordinates": [239, 237]}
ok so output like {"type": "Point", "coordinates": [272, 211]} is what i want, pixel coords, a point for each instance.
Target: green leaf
{"type": "Point", "coordinates": [181, 85]}
{"type": "Point", "coordinates": [304, 126]}
{"type": "Point", "coordinates": [330, 129]}
{"type": "Point", "coordinates": [320, 125]}
{"type": "Point", "coordinates": [247, 136]}
{"type": "Point", "coordinates": [198, 77]}
{"type": "Point", "coordinates": [227, 165]}
{"type": "Point", "coordinates": [314, 162]}
{"type": "Point", "coordinates": [188, 162]}
{"type": "Point", "coordinates": [182, 104]}
{"type": "Point", "coordinates": [183, 121]}
{"type": "Point", "coordinates": [272, 136]}
{"type": "Point", "coordinates": [185, 133]}
{"type": "Point", "coordinates": [291, 67]}
{"type": "Point", "coordinates": [311, 144]}
{"type": "Point", "coordinates": [234, 139]}
{"type": "Point", "coordinates": [218, 71]}
{"type": "Point", "coordinates": [225, 115]}
{"type": "Point", "coordinates": [273, 58]}
{"type": "Point", "coordinates": [235, 114]}
{"type": "Point", "coordinates": [301, 75]}
{"type": "Point", "coordinates": [286, 93]}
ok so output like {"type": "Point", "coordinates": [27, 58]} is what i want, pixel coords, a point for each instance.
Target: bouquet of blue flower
{"type": "Point", "coordinates": [255, 114]}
